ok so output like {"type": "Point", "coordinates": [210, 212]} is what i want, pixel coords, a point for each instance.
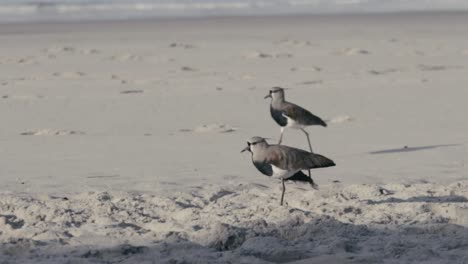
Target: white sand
{"type": "Point", "coordinates": [423, 223]}
{"type": "Point", "coordinates": [140, 124]}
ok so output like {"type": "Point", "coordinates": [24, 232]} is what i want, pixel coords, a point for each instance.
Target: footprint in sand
{"type": "Point", "coordinates": [55, 50]}
{"type": "Point", "coordinates": [384, 71]}
{"type": "Point", "coordinates": [283, 55]}
{"type": "Point", "coordinates": [23, 97]}
{"type": "Point", "coordinates": [22, 61]}
{"type": "Point", "coordinates": [181, 45]}
{"type": "Point", "coordinates": [11, 222]}
{"type": "Point", "coordinates": [69, 75]}
{"type": "Point", "coordinates": [258, 55]}
{"type": "Point", "coordinates": [423, 67]}
{"type": "Point", "coordinates": [115, 77]}
{"type": "Point", "coordinates": [263, 55]}
{"type": "Point", "coordinates": [60, 49]}
{"type": "Point", "coordinates": [52, 132]}
{"type": "Point", "coordinates": [26, 61]}
{"type": "Point", "coordinates": [210, 128]}
{"type": "Point", "coordinates": [311, 82]}
{"type": "Point", "coordinates": [294, 42]}
{"type": "Point", "coordinates": [131, 92]}
{"type": "Point", "coordinates": [125, 57]}
{"type": "Point", "coordinates": [188, 69]}
{"type": "Point", "coordinates": [90, 51]}
{"type": "Point", "coordinates": [306, 69]}
{"type": "Point", "coordinates": [352, 51]}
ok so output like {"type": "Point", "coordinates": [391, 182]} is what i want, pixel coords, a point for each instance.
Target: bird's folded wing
{"type": "Point", "coordinates": [318, 161]}
{"type": "Point", "coordinates": [301, 115]}
{"type": "Point", "coordinates": [288, 158]}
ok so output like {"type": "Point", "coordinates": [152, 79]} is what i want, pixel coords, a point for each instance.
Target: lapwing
{"type": "Point", "coordinates": [283, 162]}
{"type": "Point", "coordinates": [289, 115]}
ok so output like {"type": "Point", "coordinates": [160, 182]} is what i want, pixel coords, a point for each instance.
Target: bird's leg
{"type": "Point", "coordinates": [281, 136]}
{"type": "Point", "coordinates": [314, 185]}
{"type": "Point", "coordinates": [282, 194]}
{"type": "Point", "coordinates": [308, 140]}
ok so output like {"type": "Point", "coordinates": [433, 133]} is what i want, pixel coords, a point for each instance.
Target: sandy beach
{"type": "Point", "coordinates": [121, 140]}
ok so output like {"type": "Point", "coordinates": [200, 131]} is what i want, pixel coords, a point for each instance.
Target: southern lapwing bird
{"type": "Point", "coordinates": [289, 115]}
{"type": "Point", "coordinates": [284, 162]}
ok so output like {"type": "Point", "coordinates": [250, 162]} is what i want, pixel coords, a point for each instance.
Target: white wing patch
{"type": "Point", "coordinates": [282, 174]}
{"type": "Point", "coordinates": [292, 123]}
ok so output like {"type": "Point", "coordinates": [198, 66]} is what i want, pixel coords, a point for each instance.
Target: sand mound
{"type": "Point", "coordinates": [341, 119]}
{"type": "Point", "coordinates": [241, 224]}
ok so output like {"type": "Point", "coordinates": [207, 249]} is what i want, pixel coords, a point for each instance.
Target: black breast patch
{"type": "Point", "coordinates": [278, 116]}
{"type": "Point", "coordinates": [264, 168]}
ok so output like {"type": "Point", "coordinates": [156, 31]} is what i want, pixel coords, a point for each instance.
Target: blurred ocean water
{"type": "Point", "coordinates": [47, 10]}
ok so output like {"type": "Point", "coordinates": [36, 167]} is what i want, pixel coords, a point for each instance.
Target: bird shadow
{"type": "Point", "coordinates": [411, 149]}
{"type": "Point", "coordinates": [423, 199]}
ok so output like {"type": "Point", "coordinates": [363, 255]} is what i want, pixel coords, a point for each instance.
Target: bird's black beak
{"type": "Point", "coordinates": [268, 96]}
{"type": "Point", "coordinates": [246, 149]}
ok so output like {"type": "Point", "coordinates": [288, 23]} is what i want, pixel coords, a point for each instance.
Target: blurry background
{"type": "Point", "coordinates": [34, 10]}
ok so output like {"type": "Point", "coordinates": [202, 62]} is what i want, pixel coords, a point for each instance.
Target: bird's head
{"type": "Point", "coordinates": [276, 93]}
{"type": "Point", "coordinates": [254, 144]}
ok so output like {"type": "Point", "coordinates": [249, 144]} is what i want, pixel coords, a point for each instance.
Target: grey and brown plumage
{"type": "Point", "coordinates": [283, 162]}
{"type": "Point", "coordinates": [289, 115]}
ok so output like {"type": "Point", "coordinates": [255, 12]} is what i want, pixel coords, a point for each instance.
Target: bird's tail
{"type": "Point", "coordinates": [318, 161]}
{"type": "Point", "coordinates": [301, 177]}
{"type": "Point", "coordinates": [322, 123]}
{"type": "Point", "coordinates": [315, 120]}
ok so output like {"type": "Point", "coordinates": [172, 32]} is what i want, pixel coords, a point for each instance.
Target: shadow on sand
{"type": "Point", "coordinates": [411, 149]}
{"type": "Point", "coordinates": [424, 199]}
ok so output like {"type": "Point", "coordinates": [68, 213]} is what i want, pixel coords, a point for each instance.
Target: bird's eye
{"type": "Point", "coordinates": [253, 143]}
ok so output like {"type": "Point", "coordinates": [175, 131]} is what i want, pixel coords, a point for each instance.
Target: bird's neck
{"type": "Point", "coordinates": [278, 100]}
{"type": "Point", "coordinates": [256, 157]}
{"type": "Point", "coordinates": [259, 155]}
